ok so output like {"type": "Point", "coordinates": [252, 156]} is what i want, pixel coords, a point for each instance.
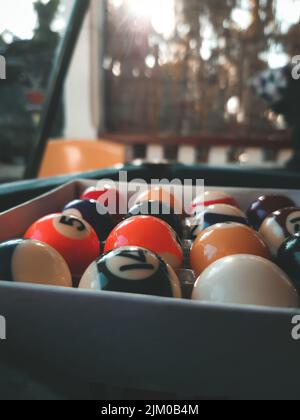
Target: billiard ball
{"type": "Point", "coordinates": [217, 213]}
{"type": "Point", "coordinates": [222, 240]}
{"type": "Point", "coordinates": [29, 261]}
{"type": "Point", "coordinates": [264, 206]}
{"type": "Point", "coordinates": [110, 198]}
{"type": "Point", "coordinates": [72, 237]}
{"type": "Point", "coordinates": [279, 226]}
{"type": "Point", "coordinates": [132, 270]}
{"type": "Point", "coordinates": [288, 258]}
{"type": "Point", "coordinates": [93, 213]}
{"type": "Point", "coordinates": [246, 280]}
{"type": "Point", "coordinates": [160, 194]}
{"type": "Point", "coordinates": [160, 210]}
{"type": "Point", "coordinates": [147, 232]}
{"type": "Point", "coordinates": [94, 193]}
{"type": "Point", "coordinates": [211, 198]}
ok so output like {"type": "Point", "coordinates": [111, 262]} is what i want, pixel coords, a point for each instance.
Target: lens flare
{"type": "Point", "coordinates": [161, 14]}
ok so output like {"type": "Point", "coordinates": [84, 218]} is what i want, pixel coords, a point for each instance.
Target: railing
{"type": "Point", "coordinates": [264, 150]}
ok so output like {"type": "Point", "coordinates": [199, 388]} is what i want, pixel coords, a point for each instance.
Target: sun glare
{"type": "Point", "coordinates": [161, 14]}
{"type": "Point", "coordinates": [288, 13]}
{"type": "Point", "coordinates": [21, 23]}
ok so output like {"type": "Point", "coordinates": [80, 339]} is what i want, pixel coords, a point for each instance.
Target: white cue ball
{"type": "Point", "coordinates": [245, 280]}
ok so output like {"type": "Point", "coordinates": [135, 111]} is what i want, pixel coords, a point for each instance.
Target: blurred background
{"type": "Point", "coordinates": [151, 79]}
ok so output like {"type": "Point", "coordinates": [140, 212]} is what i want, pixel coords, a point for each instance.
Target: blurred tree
{"type": "Point", "coordinates": [46, 13]}
{"type": "Point", "coordinates": [200, 78]}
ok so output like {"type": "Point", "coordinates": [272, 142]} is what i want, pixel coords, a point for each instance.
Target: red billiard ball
{"type": "Point", "coordinates": [93, 193]}
{"type": "Point", "coordinates": [132, 270]}
{"type": "Point", "coordinates": [147, 232]}
{"type": "Point", "coordinates": [160, 210]}
{"type": "Point", "coordinates": [266, 205]}
{"type": "Point", "coordinates": [211, 198]}
{"type": "Point", "coordinates": [72, 237]}
{"type": "Point", "coordinates": [29, 261]}
{"type": "Point", "coordinates": [279, 226]}
{"type": "Point", "coordinates": [93, 213]}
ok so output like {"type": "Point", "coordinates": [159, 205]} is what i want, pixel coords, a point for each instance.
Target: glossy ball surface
{"type": "Point", "coordinates": [246, 280]}
{"type": "Point", "coordinates": [162, 195]}
{"type": "Point", "coordinates": [110, 198]}
{"type": "Point", "coordinates": [132, 270]}
{"type": "Point", "coordinates": [222, 240]}
{"type": "Point", "coordinates": [211, 198]}
{"type": "Point", "coordinates": [72, 237]}
{"type": "Point", "coordinates": [264, 206]}
{"type": "Point", "coordinates": [160, 210]}
{"type": "Point", "coordinates": [289, 258]}
{"type": "Point", "coordinates": [94, 193]}
{"type": "Point", "coordinates": [279, 226]}
{"type": "Point", "coordinates": [150, 233]}
{"type": "Point", "coordinates": [28, 261]}
{"type": "Point", "coordinates": [89, 210]}
{"type": "Point", "coordinates": [214, 214]}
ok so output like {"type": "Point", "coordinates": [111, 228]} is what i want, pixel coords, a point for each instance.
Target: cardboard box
{"type": "Point", "coordinates": [148, 343]}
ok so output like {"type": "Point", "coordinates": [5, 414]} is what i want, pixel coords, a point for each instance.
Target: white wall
{"type": "Point", "coordinates": [82, 99]}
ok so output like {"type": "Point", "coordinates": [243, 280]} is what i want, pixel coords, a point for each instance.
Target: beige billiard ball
{"type": "Point", "coordinates": [30, 261]}
{"type": "Point", "coordinates": [245, 280]}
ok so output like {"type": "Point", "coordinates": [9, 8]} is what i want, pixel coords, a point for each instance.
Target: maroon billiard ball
{"type": "Point", "coordinates": [279, 226]}
{"type": "Point", "coordinates": [266, 205]}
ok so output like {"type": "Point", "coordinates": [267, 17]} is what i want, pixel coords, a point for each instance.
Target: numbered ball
{"type": "Point", "coordinates": [132, 270]}
{"type": "Point", "coordinates": [72, 237]}
{"type": "Point", "coordinates": [162, 195]}
{"type": "Point", "coordinates": [28, 261]}
{"type": "Point", "coordinates": [150, 233]}
{"type": "Point", "coordinates": [246, 280]}
{"type": "Point", "coordinates": [264, 206]}
{"type": "Point", "coordinates": [110, 198]}
{"type": "Point", "coordinates": [211, 198]}
{"type": "Point", "coordinates": [289, 258]}
{"type": "Point", "coordinates": [217, 213]}
{"type": "Point", "coordinates": [93, 213]}
{"type": "Point", "coordinates": [160, 210]}
{"type": "Point", "coordinates": [222, 240]}
{"type": "Point", "coordinates": [279, 226]}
